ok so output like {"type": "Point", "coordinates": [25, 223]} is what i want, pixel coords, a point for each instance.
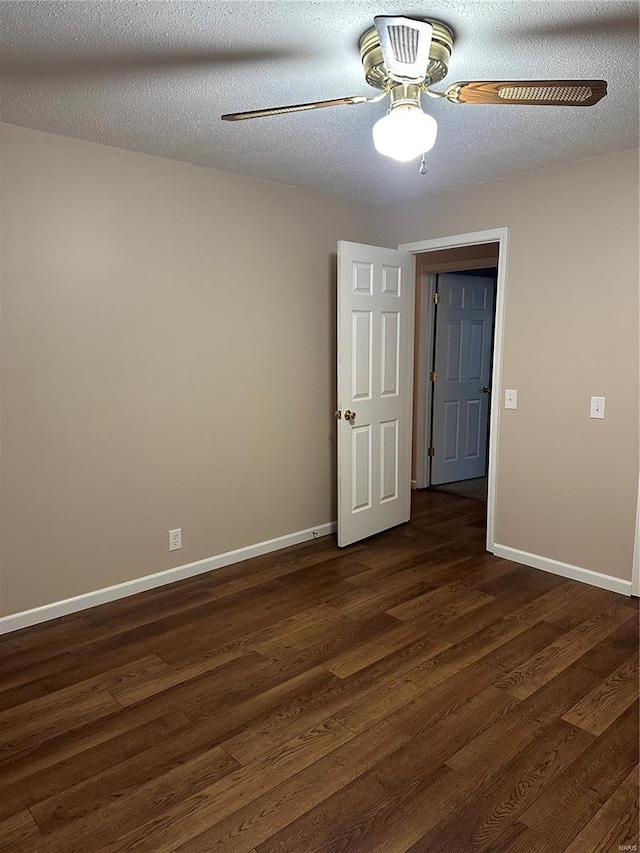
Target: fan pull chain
{"type": "Point", "coordinates": [423, 166]}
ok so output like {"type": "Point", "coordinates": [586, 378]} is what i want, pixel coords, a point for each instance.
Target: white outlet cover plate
{"type": "Point", "coordinates": [597, 407]}
{"type": "Point", "coordinates": [175, 539]}
{"type": "Point", "coordinates": [511, 399]}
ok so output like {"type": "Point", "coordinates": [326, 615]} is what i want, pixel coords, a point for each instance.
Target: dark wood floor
{"type": "Point", "coordinates": [411, 693]}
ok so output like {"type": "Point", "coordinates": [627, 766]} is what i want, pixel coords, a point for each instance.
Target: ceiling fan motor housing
{"type": "Point", "coordinates": [375, 71]}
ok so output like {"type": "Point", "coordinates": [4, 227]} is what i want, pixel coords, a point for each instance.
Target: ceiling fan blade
{"type": "Point", "coordinates": [561, 93]}
{"type": "Point", "coordinates": [405, 45]}
{"type": "Point", "coordinates": [294, 108]}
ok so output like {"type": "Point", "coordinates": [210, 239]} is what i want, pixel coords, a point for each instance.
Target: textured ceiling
{"type": "Point", "coordinates": [156, 76]}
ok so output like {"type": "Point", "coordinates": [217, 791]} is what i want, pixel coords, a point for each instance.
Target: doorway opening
{"type": "Point", "coordinates": [455, 320]}
{"type": "Point", "coordinates": [476, 256]}
{"type": "Point", "coordinates": [376, 366]}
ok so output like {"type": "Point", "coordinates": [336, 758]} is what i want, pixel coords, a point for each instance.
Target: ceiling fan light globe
{"type": "Point", "coordinates": [405, 133]}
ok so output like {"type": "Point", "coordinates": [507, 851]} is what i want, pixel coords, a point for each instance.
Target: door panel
{"type": "Point", "coordinates": [361, 358]}
{"type": "Point", "coordinates": [390, 349]}
{"type": "Point", "coordinates": [388, 461]}
{"type": "Point", "coordinates": [375, 380]}
{"type": "Point", "coordinates": [361, 474]}
{"type": "Point", "coordinates": [463, 341]}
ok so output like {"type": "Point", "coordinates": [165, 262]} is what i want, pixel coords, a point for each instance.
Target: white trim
{"type": "Point", "coordinates": [565, 570]}
{"type": "Point", "coordinates": [132, 587]}
{"type": "Point", "coordinates": [427, 286]}
{"type": "Point", "coordinates": [501, 236]}
{"type": "Point", "coordinates": [454, 241]}
{"type": "Point", "coordinates": [635, 573]}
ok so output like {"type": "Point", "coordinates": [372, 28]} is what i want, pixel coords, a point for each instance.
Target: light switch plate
{"type": "Point", "coordinates": [511, 399]}
{"type": "Point", "coordinates": [597, 407]}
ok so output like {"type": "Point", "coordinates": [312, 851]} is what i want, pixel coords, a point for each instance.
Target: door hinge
{"type": "Point", "coordinates": [431, 451]}
{"type": "Point", "coordinates": [433, 376]}
{"type": "Point", "coordinates": [436, 298]}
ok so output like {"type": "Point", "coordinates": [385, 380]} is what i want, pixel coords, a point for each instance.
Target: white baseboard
{"type": "Point", "coordinates": [111, 593]}
{"type": "Point", "coordinates": [414, 484]}
{"type": "Point", "coordinates": [566, 570]}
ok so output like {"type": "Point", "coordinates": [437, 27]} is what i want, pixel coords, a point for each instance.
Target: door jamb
{"type": "Point", "coordinates": [500, 236]}
{"type": "Point", "coordinates": [635, 573]}
{"type": "Point", "coordinates": [424, 389]}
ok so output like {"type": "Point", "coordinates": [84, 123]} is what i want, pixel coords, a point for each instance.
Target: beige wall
{"type": "Point", "coordinates": [567, 484]}
{"type": "Point", "coordinates": [168, 344]}
{"type": "Point", "coordinates": [168, 361]}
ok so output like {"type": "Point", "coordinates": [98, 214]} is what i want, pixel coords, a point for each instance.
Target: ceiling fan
{"type": "Point", "coordinates": [404, 57]}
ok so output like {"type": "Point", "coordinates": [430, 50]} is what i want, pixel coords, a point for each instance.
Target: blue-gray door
{"type": "Point", "coordinates": [462, 363]}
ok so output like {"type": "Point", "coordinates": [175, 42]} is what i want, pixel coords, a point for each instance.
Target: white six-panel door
{"type": "Point", "coordinates": [376, 289]}
{"type": "Point", "coordinates": [464, 337]}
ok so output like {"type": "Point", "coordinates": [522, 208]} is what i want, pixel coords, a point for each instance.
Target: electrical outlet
{"type": "Point", "coordinates": [175, 539]}
{"type": "Point", "coordinates": [597, 407]}
{"type": "Point", "coordinates": [511, 399]}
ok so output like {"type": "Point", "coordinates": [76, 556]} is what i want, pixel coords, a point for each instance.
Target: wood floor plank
{"type": "Point", "coordinates": [221, 721]}
{"type": "Point", "coordinates": [50, 715]}
{"type": "Point", "coordinates": [528, 677]}
{"type": "Point", "coordinates": [625, 639]}
{"type": "Point", "coordinates": [462, 568]}
{"type": "Point", "coordinates": [494, 577]}
{"type": "Point", "coordinates": [410, 692]}
{"type": "Point", "coordinates": [20, 788]}
{"type": "Point", "coordinates": [596, 710]}
{"type": "Point", "coordinates": [443, 604]}
{"type": "Point", "coordinates": [518, 838]}
{"type": "Point", "coordinates": [430, 561]}
{"type": "Point", "coordinates": [488, 753]}
{"type": "Point", "coordinates": [329, 700]}
{"type": "Point", "coordinates": [18, 831]}
{"type": "Point", "coordinates": [486, 814]}
{"type": "Point", "coordinates": [434, 704]}
{"type": "Point", "coordinates": [615, 825]}
{"type": "Point", "coordinates": [432, 800]}
{"type": "Point", "coordinates": [567, 805]}
{"type": "Point", "coordinates": [359, 656]}
{"type": "Point", "coordinates": [384, 809]}
{"type": "Point", "coordinates": [36, 671]}
{"type": "Point", "coordinates": [358, 602]}
{"type": "Point", "coordinates": [297, 713]}
{"type": "Point", "coordinates": [296, 796]}
{"type": "Point", "coordinates": [39, 637]}
{"type": "Point", "coordinates": [122, 649]}
{"type": "Point", "coordinates": [194, 815]}
{"type": "Point", "coordinates": [163, 774]}
{"type": "Point", "coordinates": [154, 682]}
{"type": "Point", "coordinates": [419, 559]}
{"type": "Point", "coordinates": [325, 640]}
{"type": "Point", "coordinates": [225, 619]}
{"type": "Point", "coordinates": [206, 643]}
{"type": "Point", "coordinates": [218, 689]}
{"type": "Point", "coordinates": [412, 681]}
{"type": "Point", "coordinates": [438, 742]}
{"type": "Point", "coordinates": [592, 601]}
{"type": "Point", "coordinates": [368, 817]}
{"type": "Point", "coordinates": [545, 606]}
{"type": "Point", "coordinates": [605, 657]}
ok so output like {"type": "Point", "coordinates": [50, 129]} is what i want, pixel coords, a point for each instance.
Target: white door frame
{"type": "Point", "coordinates": [424, 389]}
{"type": "Point", "coordinates": [635, 574]}
{"type": "Point", "coordinates": [474, 238]}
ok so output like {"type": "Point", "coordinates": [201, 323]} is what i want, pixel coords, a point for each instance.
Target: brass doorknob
{"type": "Point", "coordinates": [349, 416]}
{"type": "Point", "coordinates": [338, 414]}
